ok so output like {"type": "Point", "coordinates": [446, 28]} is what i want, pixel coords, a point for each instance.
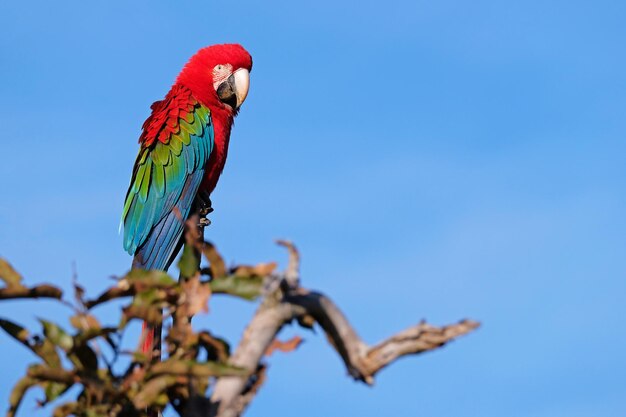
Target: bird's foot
{"type": "Point", "coordinates": [205, 205]}
{"type": "Point", "coordinates": [204, 209]}
{"type": "Point", "coordinates": [203, 222]}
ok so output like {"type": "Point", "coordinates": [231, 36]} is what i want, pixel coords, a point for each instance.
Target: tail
{"type": "Point", "coordinates": [159, 251]}
{"type": "Point", "coordinates": [147, 258]}
{"type": "Point", "coordinates": [151, 335]}
{"type": "Point", "coordinates": [151, 340]}
{"type": "Point", "coordinates": [151, 347]}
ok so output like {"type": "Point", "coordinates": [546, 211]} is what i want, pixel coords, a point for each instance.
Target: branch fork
{"type": "Point", "coordinates": [289, 302]}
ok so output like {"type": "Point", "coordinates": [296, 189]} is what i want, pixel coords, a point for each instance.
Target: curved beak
{"type": "Point", "coordinates": [234, 90]}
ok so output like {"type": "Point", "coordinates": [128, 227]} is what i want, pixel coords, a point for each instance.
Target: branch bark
{"type": "Point", "coordinates": [289, 302]}
{"type": "Point", "coordinates": [40, 291]}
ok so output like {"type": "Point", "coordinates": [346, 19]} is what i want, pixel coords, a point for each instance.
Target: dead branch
{"type": "Point", "coordinates": [231, 395]}
{"type": "Point", "coordinates": [363, 361]}
{"type": "Point", "coordinates": [40, 291]}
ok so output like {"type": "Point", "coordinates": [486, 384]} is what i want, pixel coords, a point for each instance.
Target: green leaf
{"type": "Point", "coordinates": [216, 262]}
{"type": "Point", "coordinates": [57, 335]}
{"type": "Point", "coordinates": [43, 348]}
{"type": "Point", "coordinates": [9, 275]}
{"type": "Point", "coordinates": [46, 350]}
{"type": "Point", "coordinates": [151, 314]}
{"type": "Point", "coordinates": [153, 392]}
{"type": "Point", "coordinates": [150, 278]}
{"type": "Point", "coordinates": [66, 409]}
{"type": "Point", "coordinates": [180, 367]}
{"type": "Point", "coordinates": [97, 411]}
{"type": "Point", "coordinates": [53, 390]}
{"type": "Point", "coordinates": [149, 296]}
{"type": "Point", "coordinates": [105, 332]}
{"type": "Point", "coordinates": [246, 287]}
{"type": "Point", "coordinates": [48, 374]}
{"type": "Point", "coordinates": [189, 262]}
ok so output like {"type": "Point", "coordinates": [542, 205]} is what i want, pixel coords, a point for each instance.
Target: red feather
{"type": "Point", "coordinates": [195, 83]}
{"type": "Point", "coordinates": [197, 75]}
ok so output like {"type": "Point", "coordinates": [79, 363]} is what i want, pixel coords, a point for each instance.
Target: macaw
{"type": "Point", "coordinates": [183, 148]}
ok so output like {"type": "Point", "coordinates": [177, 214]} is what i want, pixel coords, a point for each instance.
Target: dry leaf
{"type": "Point", "coordinates": [216, 262]}
{"type": "Point", "coordinates": [84, 322]}
{"type": "Point", "coordinates": [9, 275]}
{"type": "Point", "coordinates": [288, 346]}
{"type": "Point", "coordinates": [197, 295]}
{"type": "Point", "coordinates": [192, 232]}
{"type": "Point", "coordinates": [260, 270]}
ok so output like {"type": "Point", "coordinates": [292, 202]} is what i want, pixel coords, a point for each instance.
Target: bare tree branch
{"type": "Point", "coordinates": [40, 291]}
{"type": "Point", "coordinates": [414, 340]}
{"type": "Point", "coordinates": [292, 274]}
{"type": "Point", "coordinates": [261, 331]}
{"type": "Point", "coordinates": [362, 361]}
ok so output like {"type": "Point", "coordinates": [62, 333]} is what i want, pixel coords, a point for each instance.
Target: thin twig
{"type": "Point", "coordinates": [40, 291]}
{"type": "Point", "coordinates": [292, 274]}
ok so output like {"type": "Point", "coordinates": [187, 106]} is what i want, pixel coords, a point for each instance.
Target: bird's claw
{"type": "Point", "coordinates": [204, 222]}
{"type": "Point", "coordinates": [205, 210]}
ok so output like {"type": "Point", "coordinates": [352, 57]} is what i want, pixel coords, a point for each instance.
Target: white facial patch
{"type": "Point", "coordinates": [220, 73]}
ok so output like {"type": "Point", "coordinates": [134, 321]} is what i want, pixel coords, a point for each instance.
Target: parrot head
{"type": "Point", "coordinates": [219, 76]}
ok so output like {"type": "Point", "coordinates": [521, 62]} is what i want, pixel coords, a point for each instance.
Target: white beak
{"type": "Point", "coordinates": [242, 85]}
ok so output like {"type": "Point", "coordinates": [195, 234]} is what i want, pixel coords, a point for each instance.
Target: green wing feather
{"type": "Point", "coordinates": [165, 181]}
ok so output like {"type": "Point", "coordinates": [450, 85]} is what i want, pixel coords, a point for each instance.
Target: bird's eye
{"type": "Point", "coordinates": [218, 67]}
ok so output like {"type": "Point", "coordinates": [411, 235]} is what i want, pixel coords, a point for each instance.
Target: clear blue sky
{"type": "Point", "coordinates": [433, 160]}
